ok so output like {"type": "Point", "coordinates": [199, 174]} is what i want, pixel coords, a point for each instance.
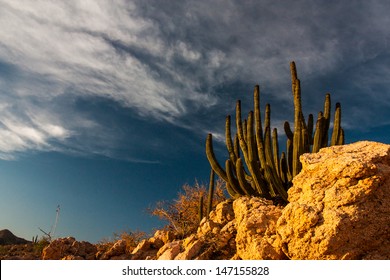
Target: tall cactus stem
{"type": "Point", "coordinates": [275, 149]}
{"type": "Point", "coordinates": [212, 159]}
{"type": "Point", "coordinates": [211, 192]}
{"type": "Point", "coordinates": [326, 122]}
{"type": "Point", "coordinates": [298, 141]}
{"type": "Point", "coordinates": [318, 136]}
{"type": "Point", "coordinates": [229, 142]}
{"type": "Point", "coordinates": [336, 126]}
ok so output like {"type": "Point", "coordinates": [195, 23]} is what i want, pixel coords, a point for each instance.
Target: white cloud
{"type": "Point", "coordinates": [18, 136]}
{"type": "Point", "coordinates": [164, 64]}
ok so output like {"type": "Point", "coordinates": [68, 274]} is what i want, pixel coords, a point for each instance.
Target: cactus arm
{"type": "Point", "coordinates": [336, 126]}
{"type": "Point", "coordinates": [240, 130]}
{"type": "Point", "coordinates": [288, 131]}
{"type": "Point", "coordinates": [283, 169]}
{"type": "Point", "coordinates": [326, 122]}
{"type": "Point", "coordinates": [236, 146]}
{"type": "Point", "coordinates": [289, 147]}
{"type": "Point", "coordinates": [243, 181]}
{"type": "Point", "coordinates": [233, 182]}
{"type": "Point", "coordinates": [298, 141]}
{"type": "Point", "coordinates": [318, 136]}
{"type": "Point", "coordinates": [229, 143]}
{"type": "Point", "coordinates": [211, 192]}
{"type": "Point", "coordinates": [231, 192]}
{"type": "Point", "coordinates": [275, 149]}
{"type": "Point", "coordinates": [341, 140]}
{"type": "Point", "coordinates": [212, 159]}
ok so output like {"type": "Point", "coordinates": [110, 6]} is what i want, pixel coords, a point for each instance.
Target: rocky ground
{"type": "Point", "coordinates": [20, 252]}
{"type": "Point", "coordinates": [339, 209]}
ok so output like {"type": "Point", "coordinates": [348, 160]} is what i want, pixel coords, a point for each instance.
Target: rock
{"type": "Point", "coordinates": [218, 218]}
{"type": "Point", "coordinates": [145, 249]}
{"type": "Point", "coordinates": [339, 205]}
{"type": "Point", "coordinates": [339, 209]}
{"type": "Point", "coordinates": [192, 246]}
{"type": "Point", "coordinates": [117, 251]}
{"type": "Point", "coordinates": [256, 220]}
{"type": "Point", "coordinates": [62, 247]}
{"type": "Point", "coordinates": [170, 250]}
{"type": "Point", "coordinates": [161, 237]}
{"type": "Point", "coordinates": [223, 212]}
{"type": "Point", "coordinates": [8, 238]}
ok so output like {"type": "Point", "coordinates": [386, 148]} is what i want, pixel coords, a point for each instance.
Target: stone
{"type": "Point", "coordinates": [223, 212]}
{"type": "Point", "coordinates": [58, 248]}
{"type": "Point", "coordinates": [117, 250]}
{"type": "Point", "coordinates": [170, 250]}
{"type": "Point", "coordinates": [62, 247]}
{"type": "Point", "coordinates": [339, 204]}
{"type": "Point", "coordinates": [192, 247]}
{"type": "Point", "coordinates": [219, 217]}
{"type": "Point", "coordinates": [145, 249]}
{"type": "Point", "coordinates": [162, 237]}
{"type": "Point", "coordinates": [255, 221]}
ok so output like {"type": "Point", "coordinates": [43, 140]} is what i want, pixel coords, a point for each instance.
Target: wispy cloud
{"type": "Point", "coordinates": [169, 60]}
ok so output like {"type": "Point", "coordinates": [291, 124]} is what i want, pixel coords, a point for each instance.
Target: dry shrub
{"type": "Point", "coordinates": [182, 213]}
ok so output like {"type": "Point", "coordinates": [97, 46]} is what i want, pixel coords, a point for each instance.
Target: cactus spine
{"type": "Point", "coordinates": [259, 169]}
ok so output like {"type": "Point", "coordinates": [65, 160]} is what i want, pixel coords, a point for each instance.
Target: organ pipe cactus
{"type": "Point", "coordinates": [209, 198]}
{"type": "Point", "coordinates": [254, 166]}
{"type": "Point", "coordinates": [211, 193]}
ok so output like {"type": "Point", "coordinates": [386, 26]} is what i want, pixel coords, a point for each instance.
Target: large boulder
{"type": "Point", "coordinates": [339, 205]}
{"type": "Point", "coordinates": [256, 220]}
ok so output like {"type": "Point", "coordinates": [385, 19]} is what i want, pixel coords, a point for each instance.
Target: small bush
{"type": "Point", "coordinates": [182, 213]}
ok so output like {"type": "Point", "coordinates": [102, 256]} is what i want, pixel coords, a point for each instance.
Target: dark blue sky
{"type": "Point", "coordinates": [105, 106]}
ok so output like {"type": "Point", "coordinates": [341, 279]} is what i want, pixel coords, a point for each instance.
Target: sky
{"type": "Point", "coordinates": [105, 105]}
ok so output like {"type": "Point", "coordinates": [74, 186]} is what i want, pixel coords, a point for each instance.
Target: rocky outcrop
{"type": "Point", "coordinates": [339, 205]}
{"type": "Point", "coordinates": [213, 240]}
{"type": "Point", "coordinates": [69, 248]}
{"type": "Point", "coordinates": [116, 252]}
{"type": "Point", "coordinates": [339, 209]}
{"type": "Point", "coordinates": [8, 238]}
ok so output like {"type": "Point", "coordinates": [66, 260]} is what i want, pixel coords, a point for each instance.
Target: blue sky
{"type": "Point", "coordinates": [105, 105]}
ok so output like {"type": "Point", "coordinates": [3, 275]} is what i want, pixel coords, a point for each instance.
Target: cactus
{"type": "Point", "coordinates": [211, 193]}
{"type": "Point", "coordinates": [259, 169]}
{"type": "Point", "coordinates": [35, 239]}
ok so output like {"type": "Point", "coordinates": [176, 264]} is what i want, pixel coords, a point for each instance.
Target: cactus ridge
{"type": "Point", "coordinates": [255, 166]}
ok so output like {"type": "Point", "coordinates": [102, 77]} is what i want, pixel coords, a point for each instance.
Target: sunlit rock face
{"type": "Point", "coordinates": [339, 205]}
